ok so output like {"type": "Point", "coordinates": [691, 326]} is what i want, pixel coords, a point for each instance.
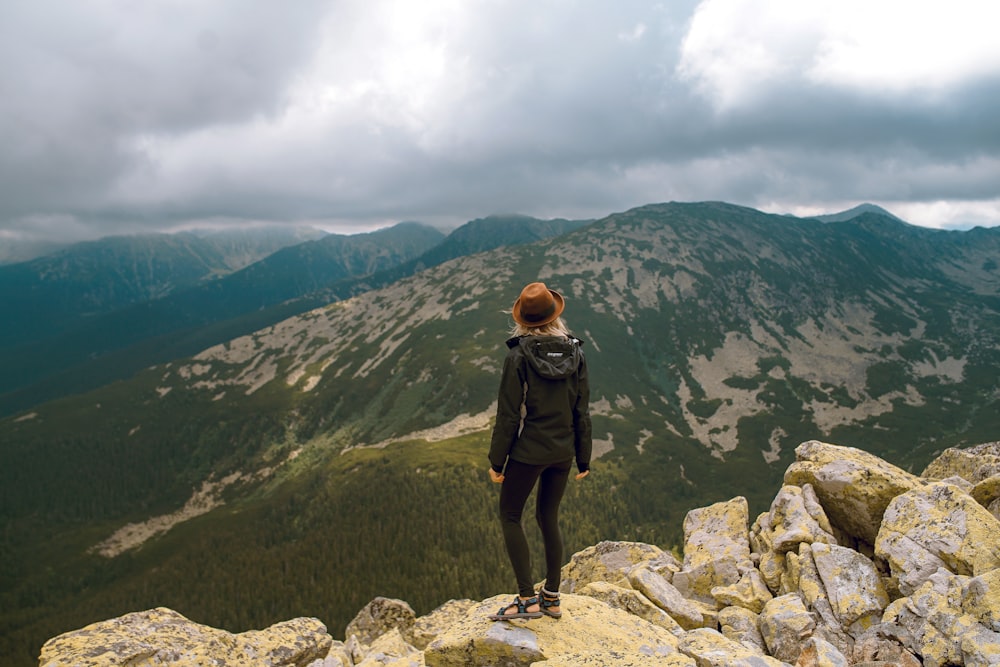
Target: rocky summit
{"type": "Point", "coordinates": [856, 562]}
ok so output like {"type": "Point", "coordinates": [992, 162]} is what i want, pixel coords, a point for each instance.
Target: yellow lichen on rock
{"type": "Point", "coordinates": [586, 622]}
{"type": "Point", "coordinates": [162, 636]}
{"type": "Point", "coordinates": [934, 527]}
{"type": "Point", "coordinates": [853, 486]}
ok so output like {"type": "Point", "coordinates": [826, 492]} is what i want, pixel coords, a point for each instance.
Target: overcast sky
{"type": "Point", "coordinates": [120, 116]}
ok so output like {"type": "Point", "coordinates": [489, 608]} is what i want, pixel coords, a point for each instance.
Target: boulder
{"type": "Point", "coordinates": [586, 623]}
{"type": "Point", "coordinates": [987, 492]}
{"type": "Point", "coordinates": [973, 464]}
{"type": "Point", "coordinates": [162, 636]}
{"type": "Point", "coordinates": [938, 630]}
{"type": "Point", "coordinates": [716, 549]}
{"type": "Point", "coordinates": [812, 589]}
{"type": "Point", "coordinates": [818, 652]}
{"type": "Point", "coordinates": [797, 516]}
{"type": "Point", "coordinates": [750, 592]}
{"type": "Point", "coordinates": [938, 526]}
{"type": "Point", "coordinates": [429, 626]}
{"type": "Point", "coordinates": [612, 561]}
{"type": "Point", "coordinates": [664, 595]}
{"type": "Point", "coordinates": [740, 625]}
{"type": "Point", "coordinates": [632, 601]}
{"type": "Point", "coordinates": [379, 617]}
{"type": "Point", "coordinates": [786, 624]}
{"type": "Point", "coordinates": [853, 486]}
{"type": "Point", "coordinates": [981, 598]}
{"type": "Point", "coordinates": [618, 659]}
{"type": "Point", "coordinates": [710, 648]}
{"type": "Point", "coordinates": [884, 643]}
{"type": "Point", "coordinates": [392, 650]}
{"type": "Point", "coordinates": [338, 656]}
{"type": "Point", "coordinates": [852, 585]}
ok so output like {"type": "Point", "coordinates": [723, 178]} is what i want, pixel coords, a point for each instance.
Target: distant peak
{"type": "Point", "coordinates": [858, 210]}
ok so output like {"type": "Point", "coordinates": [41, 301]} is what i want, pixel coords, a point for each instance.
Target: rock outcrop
{"type": "Point", "coordinates": [856, 562]}
{"type": "Point", "coordinates": [164, 637]}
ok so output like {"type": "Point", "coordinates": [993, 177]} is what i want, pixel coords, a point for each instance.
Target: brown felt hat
{"type": "Point", "coordinates": [537, 306]}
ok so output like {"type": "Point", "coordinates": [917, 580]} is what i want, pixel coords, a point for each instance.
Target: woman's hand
{"type": "Point", "coordinates": [583, 474]}
{"type": "Point", "coordinates": [497, 477]}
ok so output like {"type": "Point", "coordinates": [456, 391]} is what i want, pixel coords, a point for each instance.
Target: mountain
{"type": "Point", "coordinates": [80, 357]}
{"type": "Point", "coordinates": [291, 281]}
{"type": "Point", "coordinates": [53, 294]}
{"type": "Point", "coordinates": [852, 213]}
{"type": "Point", "coordinates": [344, 448]}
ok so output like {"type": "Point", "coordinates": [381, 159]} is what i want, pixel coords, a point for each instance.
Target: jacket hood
{"type": "Point", "coordinates": [551, 356]}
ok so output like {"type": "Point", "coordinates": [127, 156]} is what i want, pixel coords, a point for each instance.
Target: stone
{"type": "Point", "coordinates": [980, 647]}
{"type": "Point", "coordinates": [933, 622]}
{"type": "Point", "coordinates": [710, 648]}
{"type": "Point", "coordinates": [853, 486]}
{"type": "Point", "coordinates": [379, 617]}
{"type": "Point", "coordinates": [611, 561]}
{"type": "Point", "coordinates": [786, 624]}
{"type": "Point", "coordinates": [586, 622]}
{"type": "Point", "coordinates": [339, 656]}
{"type": "Point", "coordinates": [162, 636]}
{"type": "Point", "coordinates": [818, 652]}
{"type": "Point", "coordinates": [664, 595]}
{"type": "Point", "coordinates": [632, 601]}
{"type": "Point", "coordinates": [884, 643]}
{"type": "Point", "coordinates": [981, 598]}
{"type": "Point", "coordinates": [937, 526]}
{"type": "Point", "coordinates": [852, 584]}
{"type": "Point", "coordinates": [740, 625]}
{"type": "Point", "coordinates": [716, 549]}
{"type": "Point", "coordinates": [429, 626]}
{"type": "Point", "coordinates": [391, 649]}
{"type": "Point", "coordinates": [797, 516]}
{"type": "Point", "coordinates": [750, 592]}
{"type": "Point", "coordinates": [987, 491]}
{"type": "Point", "coordinates": [971, 463]}
{"type": "Point", "coordinates": [773, 569]}
{"type": "Point", "coordinates": [618, 659]}
{"type": "Point", "coordinates": [814, 595]}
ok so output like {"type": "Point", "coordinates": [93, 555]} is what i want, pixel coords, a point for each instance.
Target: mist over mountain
{"type": "Point", "coordinates": [13, 251]}
{"type": "Point", "coordinates": [345, 447]}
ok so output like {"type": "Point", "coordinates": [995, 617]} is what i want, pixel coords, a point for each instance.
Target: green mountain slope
{"type": "Point", "coordinates": [340, 454]}
{"type": "Point", "coordinates": [291, 281]}
{"type": "Point", "coordinates": [76, 357]}
{"type": "Point", "coordinates": [52, 294]}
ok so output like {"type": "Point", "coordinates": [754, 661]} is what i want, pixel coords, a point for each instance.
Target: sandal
{"type": "Point", "coordinates": [547, 600]}
{"type": "Point", "coordinates": [522, 609]}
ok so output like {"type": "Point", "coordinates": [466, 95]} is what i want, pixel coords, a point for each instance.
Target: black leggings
{"type": "Point", "coordinates": [519, 479]}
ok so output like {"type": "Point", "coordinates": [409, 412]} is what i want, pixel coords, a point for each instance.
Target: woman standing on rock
{"type": "Point", "coordinates": [542, 425]}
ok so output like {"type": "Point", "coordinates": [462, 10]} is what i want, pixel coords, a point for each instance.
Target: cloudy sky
{"type": "Point", "coordinates": [120, 116]}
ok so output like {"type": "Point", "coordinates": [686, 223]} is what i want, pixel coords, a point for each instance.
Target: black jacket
{"type": "Point", "coordinates": [548, 376]}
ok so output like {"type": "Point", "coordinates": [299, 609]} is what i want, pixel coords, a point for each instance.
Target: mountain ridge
{"type": "Point", "coordinates": [291, 281]}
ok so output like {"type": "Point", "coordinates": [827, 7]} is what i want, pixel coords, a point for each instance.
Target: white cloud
{"type": "Point", "coordinates": [947, 214]}
{"type": "Point", "coordinates": [738, 51]}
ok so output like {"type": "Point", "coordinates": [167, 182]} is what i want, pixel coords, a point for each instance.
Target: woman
{"type": "Point", "coordinates": [543, 424]}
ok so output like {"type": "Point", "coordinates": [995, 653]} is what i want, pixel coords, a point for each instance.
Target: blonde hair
{"type": "Point", "coordinates": [556, 327]}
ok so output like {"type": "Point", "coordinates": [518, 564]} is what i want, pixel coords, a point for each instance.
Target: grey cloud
{"type": "Point", "coordinates": [81, 82]}
{"type": "Point", "coordinates": [148, 118]}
